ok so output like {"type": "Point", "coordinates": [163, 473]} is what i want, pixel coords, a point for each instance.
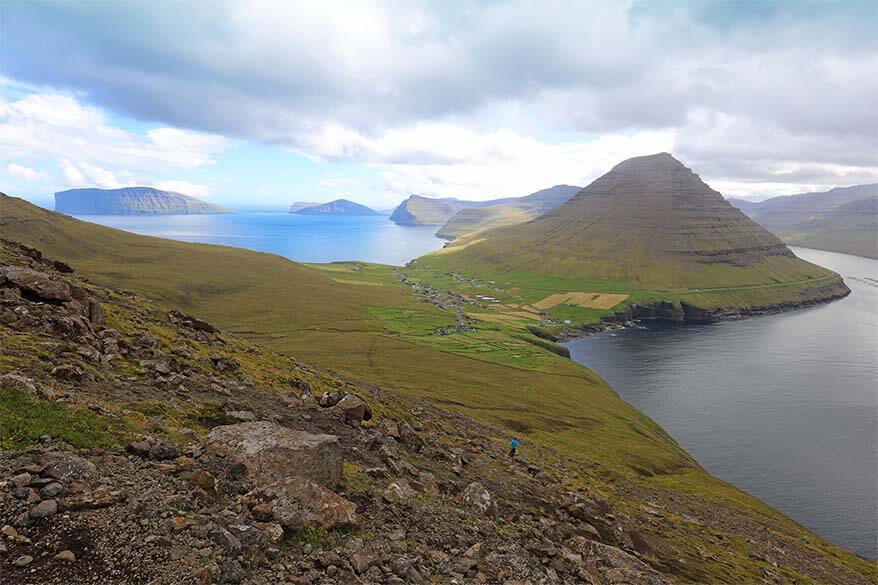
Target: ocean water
{"type": "Point", "coordinates": [304, 238]}
{"type": "Point", "coordinates": [783, 406]}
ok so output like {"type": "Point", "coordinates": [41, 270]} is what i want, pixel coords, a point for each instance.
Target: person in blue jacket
{"type": "Point", "coordinates": [513, 445]}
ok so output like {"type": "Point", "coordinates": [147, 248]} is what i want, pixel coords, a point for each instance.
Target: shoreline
{"type": "Point", "coordinates": [667, 312]}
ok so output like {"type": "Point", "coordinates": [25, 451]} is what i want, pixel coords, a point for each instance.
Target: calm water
{"type": "Point", "coordinates": [299, 237]}
{"type": "Point", "coordinates": [784, 407]}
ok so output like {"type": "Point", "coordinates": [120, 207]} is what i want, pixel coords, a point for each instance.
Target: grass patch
{"type": "Point", "coordinates": [25, 418]}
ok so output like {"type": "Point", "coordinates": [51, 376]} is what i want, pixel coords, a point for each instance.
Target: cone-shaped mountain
{"type": "Point", "coordinates": [651, 223]}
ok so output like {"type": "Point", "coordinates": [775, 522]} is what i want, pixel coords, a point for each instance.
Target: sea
{"type": "Point", "coordinates": [304, 238]}
{"type": "Point", "coordinates": [784, 406]}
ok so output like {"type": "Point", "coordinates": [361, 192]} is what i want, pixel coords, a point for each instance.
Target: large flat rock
{"type": "Point", "coordinates": [273, 453]}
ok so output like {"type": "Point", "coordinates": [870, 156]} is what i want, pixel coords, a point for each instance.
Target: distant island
{"type": "Point", "coordinates": [131, 201]}
{"type": "Point", "coordinates": [302, 205]}
{"type": "Point", "coordinates": [844, 219]}
{"type": "Point", "coordinates": [419, 210]}
{"type": "Point", "coordinates": [337, 207]}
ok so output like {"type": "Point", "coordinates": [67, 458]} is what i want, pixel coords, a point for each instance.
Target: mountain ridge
{"type": "Point", "coordinates": [839, 220]}
{"type": "Point", "coordinates": [507, 211]}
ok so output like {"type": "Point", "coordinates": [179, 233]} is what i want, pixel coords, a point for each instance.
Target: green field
{"type": "Point", "coordinates": [359, 320]}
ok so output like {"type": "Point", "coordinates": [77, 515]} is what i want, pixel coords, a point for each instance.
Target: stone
{"type": "Point", "coordinates": [390, 428]}
{"type": "Point", "coordinates": [410, 438]}
{"type": "Point", "coordinates": [163, 450]}
{"type": "Point", "coordinates": [478, 499]}
{"type": "Point", "coordinates": [44, 509]}
{"type": "Point", "coordinates": [21, 480]}
{"type": "Point", "coordinates": [35, 284]}
{"type": "Point", "coordinates": [23, 561]}
{"type": "Point", "coordinates": [330, 398]}
{"type": "Point", "coordinates": [298, 502]}
{"type": "Point", "coordinates": [225, 539]}
{"type": "Point", "coordinates": [615, 565]}
{"type": "Point", "coordinates": [222, 364]}
{"type": "Point", "coordinates": [50, 490]}
{"type": "Point", "coordinates": [204, 480]}
{"type": "Point", "coordinates": [69, 372]}
{"type": "Point", "coordinates": [65, 555]}
{"type": "Point", "coordinates": [354, 409]}
{"type": "Point", "coordinates": [62, 267]}
{"type": "Point", "coordinates": [231, 573]}
{"type": "Point", "coordinates": [398, 491]}
{"type": "Point", "coordinates": [139, 448]}
{"type": "Point", "coordinates": [272, 453]}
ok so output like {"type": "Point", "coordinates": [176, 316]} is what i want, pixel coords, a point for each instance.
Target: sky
{"type": "Point", "coordinates": [257, 104]}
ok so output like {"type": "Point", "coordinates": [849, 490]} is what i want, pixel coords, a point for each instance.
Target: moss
{"type": "Point", "coordinates": [25, 418]}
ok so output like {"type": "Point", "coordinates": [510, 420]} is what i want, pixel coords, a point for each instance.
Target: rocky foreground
{"type": "Point", "coordinates": [142, 445]}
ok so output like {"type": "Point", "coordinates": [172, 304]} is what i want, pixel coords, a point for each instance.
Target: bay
{"type": "Point", "coordinates": [304, 238]}
{"type": "Point", "coordinates": [784, 406]}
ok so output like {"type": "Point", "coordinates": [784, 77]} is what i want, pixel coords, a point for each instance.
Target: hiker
{"type": "Point", "coordinates": [513, 445]}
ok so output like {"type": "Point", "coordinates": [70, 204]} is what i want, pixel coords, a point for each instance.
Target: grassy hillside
{"type": "Point", "coordinates": [475, 220]}
{"type": "Point", "coordinates": [840, 220]}
{"type": "Point", "coordinates": [503, 212]}
{"type": "Point", "coordinates": [851, 228]}
{"type": "Point", "coordinates": [362, 321]}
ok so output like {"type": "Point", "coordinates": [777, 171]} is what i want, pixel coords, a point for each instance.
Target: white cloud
{"type": "Point", "coordinates": [450, 160]}
{"type": "Point", "coordinates": [471, 99]}
{"type": "Point", "coordinates": [184, 187]}
{"type": "Point", "coordinates": [24, 172]}
{"type": "Point", "coordinates": [91, 150]}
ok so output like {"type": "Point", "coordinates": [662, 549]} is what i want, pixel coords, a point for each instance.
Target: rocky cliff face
{"type": "Point", "coordinates": [417, 210]}
{"type": "Point", "coordinates": [131, 201]}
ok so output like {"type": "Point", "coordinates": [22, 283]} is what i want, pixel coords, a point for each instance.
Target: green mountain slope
{"type": "Point", "coordinates": [131, 201]}
{"type": "Point", "coordinates": [851, 228]}
{"type": "Point", "coordinates": [839, 220]}
{"type": "Point", "coordinates": [652, 229]}
{"type": "Point", "coordinates": [337, 207]}
{"type": "Point", "coordinates": [505, 211]}
{"type": "Point", "coordinates": [362, 321]}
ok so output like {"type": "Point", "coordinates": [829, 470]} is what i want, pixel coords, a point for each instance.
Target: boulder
{"type": "Point", "coordinates": [398, 491]}
{"type": "Point", "coordinates": [65, 467]}
{"type": "Point", "coordinates": [222, 364]}
{"type": "Point", "coordinates": [35, 284]}
{"type": "Point", "coordinates": [354, 408]}
{"type": "Point", "coordinates": [330, 398]}
{"type": "Point", "coordinates": [615, 565]}
{"type": "Point", "coordinates": [273, 453]}
{"type": "Point", "coordinates": [478, 499]}
{"type": "Point", "coordinates": [299, 502]}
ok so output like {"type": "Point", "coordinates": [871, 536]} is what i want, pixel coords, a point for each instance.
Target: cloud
{"type": "Point", "coordinates": [21, 171]}
{"type": "Point", "coordinates": [184, 187]}
{"type": "Point", "coordinates": [89, 148]}
{"type": "Point", "coordinates": [433, 94]}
